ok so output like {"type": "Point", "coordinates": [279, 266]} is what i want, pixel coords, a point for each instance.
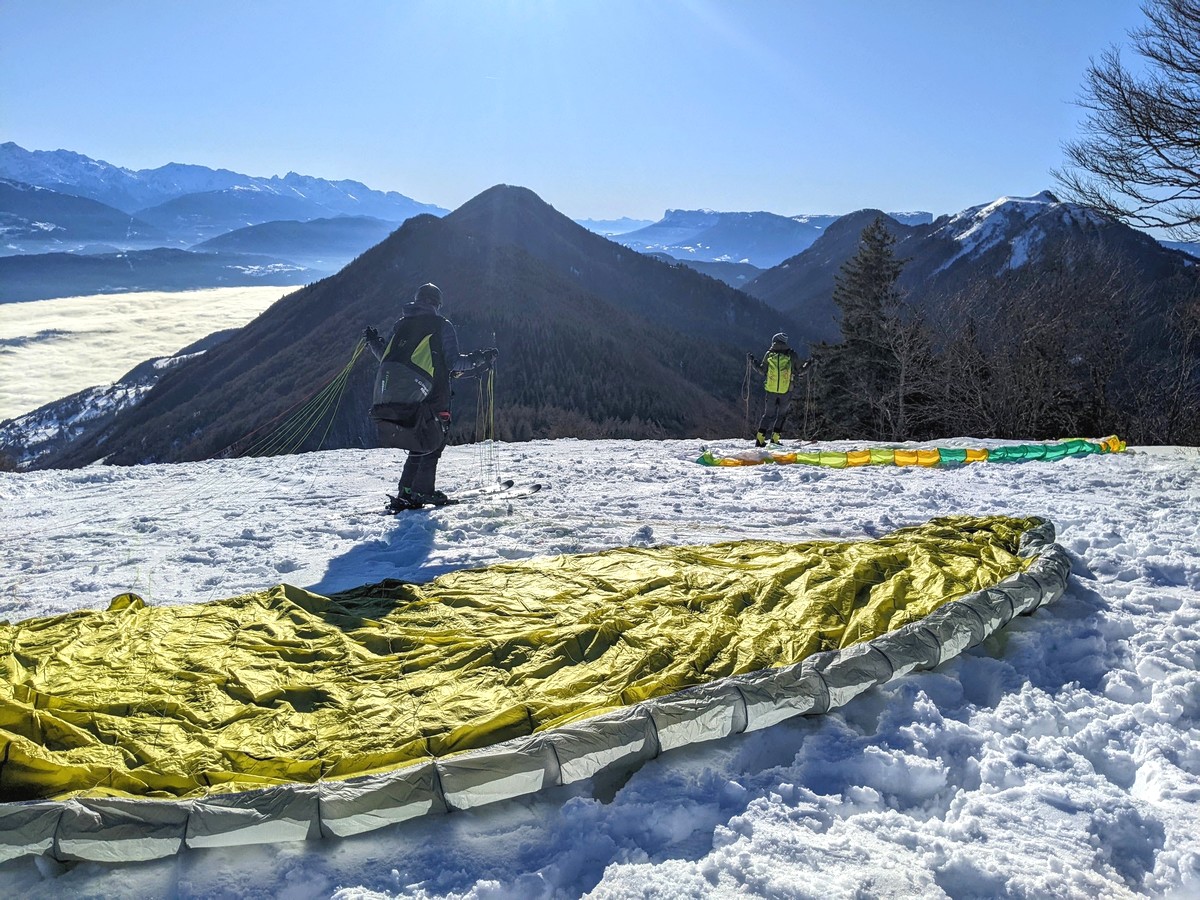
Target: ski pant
{"type": "Point", "coordinates": [775, 413]}
{"type": "Point", "coordinates": [420, 469]}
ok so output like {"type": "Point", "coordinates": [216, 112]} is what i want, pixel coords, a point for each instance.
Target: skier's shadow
{"type": "Point", "coordinates": [401, 554]}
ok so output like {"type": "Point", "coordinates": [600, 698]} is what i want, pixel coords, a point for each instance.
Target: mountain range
{"type": "Point", "coordinates": [945, 257]}
{"type": "Point", "coordinates": [55, 202]}
{"type": "Point", "coordinates": [144, 191]}
{"type": "Point", "coordinates": [63, 202]}
{"type": "Point", "coordinates": [596, 338]}
{"type": "Point", "coordinates": [323, 245]}
{"type": "Point", "coordinates": [760, 239]}
{"type": "Point", "coordinates": [36, 219]}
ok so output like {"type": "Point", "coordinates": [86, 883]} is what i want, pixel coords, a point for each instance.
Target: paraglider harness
{"type": "Point", "coordinates": [412, 384]}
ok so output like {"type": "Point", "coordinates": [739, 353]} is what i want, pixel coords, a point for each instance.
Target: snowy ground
{"type": "Point", "coordinates": [1060, 759]}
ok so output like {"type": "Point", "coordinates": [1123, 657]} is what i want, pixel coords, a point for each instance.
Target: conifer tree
{"type": "Point", "coordinates": [865, 292]}
{"type": "Point", "coordinates": [856, 393]}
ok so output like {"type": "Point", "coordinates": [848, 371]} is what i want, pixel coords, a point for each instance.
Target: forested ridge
{"type": "Point", "coordinates": [595, 340]}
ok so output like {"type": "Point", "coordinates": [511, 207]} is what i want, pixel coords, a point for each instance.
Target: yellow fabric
{"type": "Point", "coordinates": [779, 372]}
{"type": "Point", "coordinates": [285, 686]}
{"type": "Point", "coordinates": [928, 458]}
{"type": "Point", "coordinates": [833, 459]}
{"type": "Point", "coordinates": [882, 456]}
{"type": "Point", "coordinates": [422, 357]}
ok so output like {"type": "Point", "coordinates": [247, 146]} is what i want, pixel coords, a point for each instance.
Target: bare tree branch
{"type": "Point", "coordinates": [1139, 159]}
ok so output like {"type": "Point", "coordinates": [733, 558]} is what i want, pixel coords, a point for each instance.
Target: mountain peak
{"type": "Point", "coordinates": [509, 211]}
{"type": "Point", "coordinates": [1007, 220]}
{"type": "Point", "coordinates": [504, 195]}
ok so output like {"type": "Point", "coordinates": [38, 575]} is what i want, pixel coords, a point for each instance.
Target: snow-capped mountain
{"type": "Point", "coordinates": [975, 246]}
{"type": "Point", "coordinates": [54, 202]}
{"type": "Point", "coordinates": [351, 198]}
{"type": "Point", "coordinates": [73, 173]}
{"type": "Point", "coordinates": [761, 239]}
{"type": "Point", "coordinates": [134, 190]}
{"type": "Point", "coordinates": [1018, 225]}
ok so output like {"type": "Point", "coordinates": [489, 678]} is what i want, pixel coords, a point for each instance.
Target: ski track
{"type": "Point", "coordinates": [1059, 758]}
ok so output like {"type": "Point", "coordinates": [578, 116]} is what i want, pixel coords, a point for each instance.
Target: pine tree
{"type": "Point", "coordinates": [865, 292]}
{"type": "Point", "coordinates": [856, 391]}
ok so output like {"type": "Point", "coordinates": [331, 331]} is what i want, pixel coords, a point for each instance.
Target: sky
{"type": "Point", "coordinates": [605, 108]}
{"type": "Point", "coordinates": [1059, 758]}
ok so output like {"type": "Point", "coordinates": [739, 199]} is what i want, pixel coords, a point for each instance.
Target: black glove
{"type": "Point", "coordinates": [753, 361]}
{"type": "Point", "coordinates": [490, 354]}
{"type": "Point", "coordinates": [370, 334]}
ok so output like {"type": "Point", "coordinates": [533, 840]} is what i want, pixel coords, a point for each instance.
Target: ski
{"type": "Point", "coordinates": [508, 490]}
{"type": "Point", "coordinates": [498, 488]}
{"type": "Point", "coordinates": [516, 491]}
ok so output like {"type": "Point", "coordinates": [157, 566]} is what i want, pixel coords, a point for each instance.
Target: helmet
{"type": "Point", "coordinates": [429, 293]}
{"type": "Point", "coordinates": [780, 338]}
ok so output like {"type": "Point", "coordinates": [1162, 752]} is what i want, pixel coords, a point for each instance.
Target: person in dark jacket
{"type": "Point", "coordinates": [779, 367]}
{"type": "Point", "coordinates": [411, 400]}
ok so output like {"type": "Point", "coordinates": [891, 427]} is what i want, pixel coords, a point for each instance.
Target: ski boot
{"type": "Point", "coordinates": [404, 500]}
{"type": "Point", "coordinates": [433, 498]}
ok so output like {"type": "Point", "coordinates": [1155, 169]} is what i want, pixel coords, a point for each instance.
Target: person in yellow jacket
{"type": "Point", "coordinates": [780, 368]}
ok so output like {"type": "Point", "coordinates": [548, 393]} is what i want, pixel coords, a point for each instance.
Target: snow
{"type": "Point", "coordinates": [39, 429]}
{"type": "Point", "coordinates": [270, 269]}
{"type": "Point", "coordinates": [1008, 219]}
{"type": "Point", "coordinates": [1060, 758]}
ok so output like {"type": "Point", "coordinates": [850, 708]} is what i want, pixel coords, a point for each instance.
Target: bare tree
{"type": "Point", "coordinates": [902, 410]}
{"type": "Point", "coordinates": [1140, 158]}
{"type": "Point", "coordinates": [1041, 353]}
{"type": "Point", "coordinates": [1168, 398]}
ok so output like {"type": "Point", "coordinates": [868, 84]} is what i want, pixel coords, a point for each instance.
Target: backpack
{"type": "Point", "coordinates": [779, 372]}
{"type": "Point", "coordinates": [412, 378]}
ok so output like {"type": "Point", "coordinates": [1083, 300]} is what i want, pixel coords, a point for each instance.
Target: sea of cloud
{"type": "Point", "coordinates": [52, 348]}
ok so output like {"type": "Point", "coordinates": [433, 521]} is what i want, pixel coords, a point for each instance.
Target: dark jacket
{"type": "Point", "coordinates": [440, 357]}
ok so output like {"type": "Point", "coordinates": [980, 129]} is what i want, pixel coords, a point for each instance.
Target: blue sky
{"type": "Point", "coordinates": [603, 107]}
